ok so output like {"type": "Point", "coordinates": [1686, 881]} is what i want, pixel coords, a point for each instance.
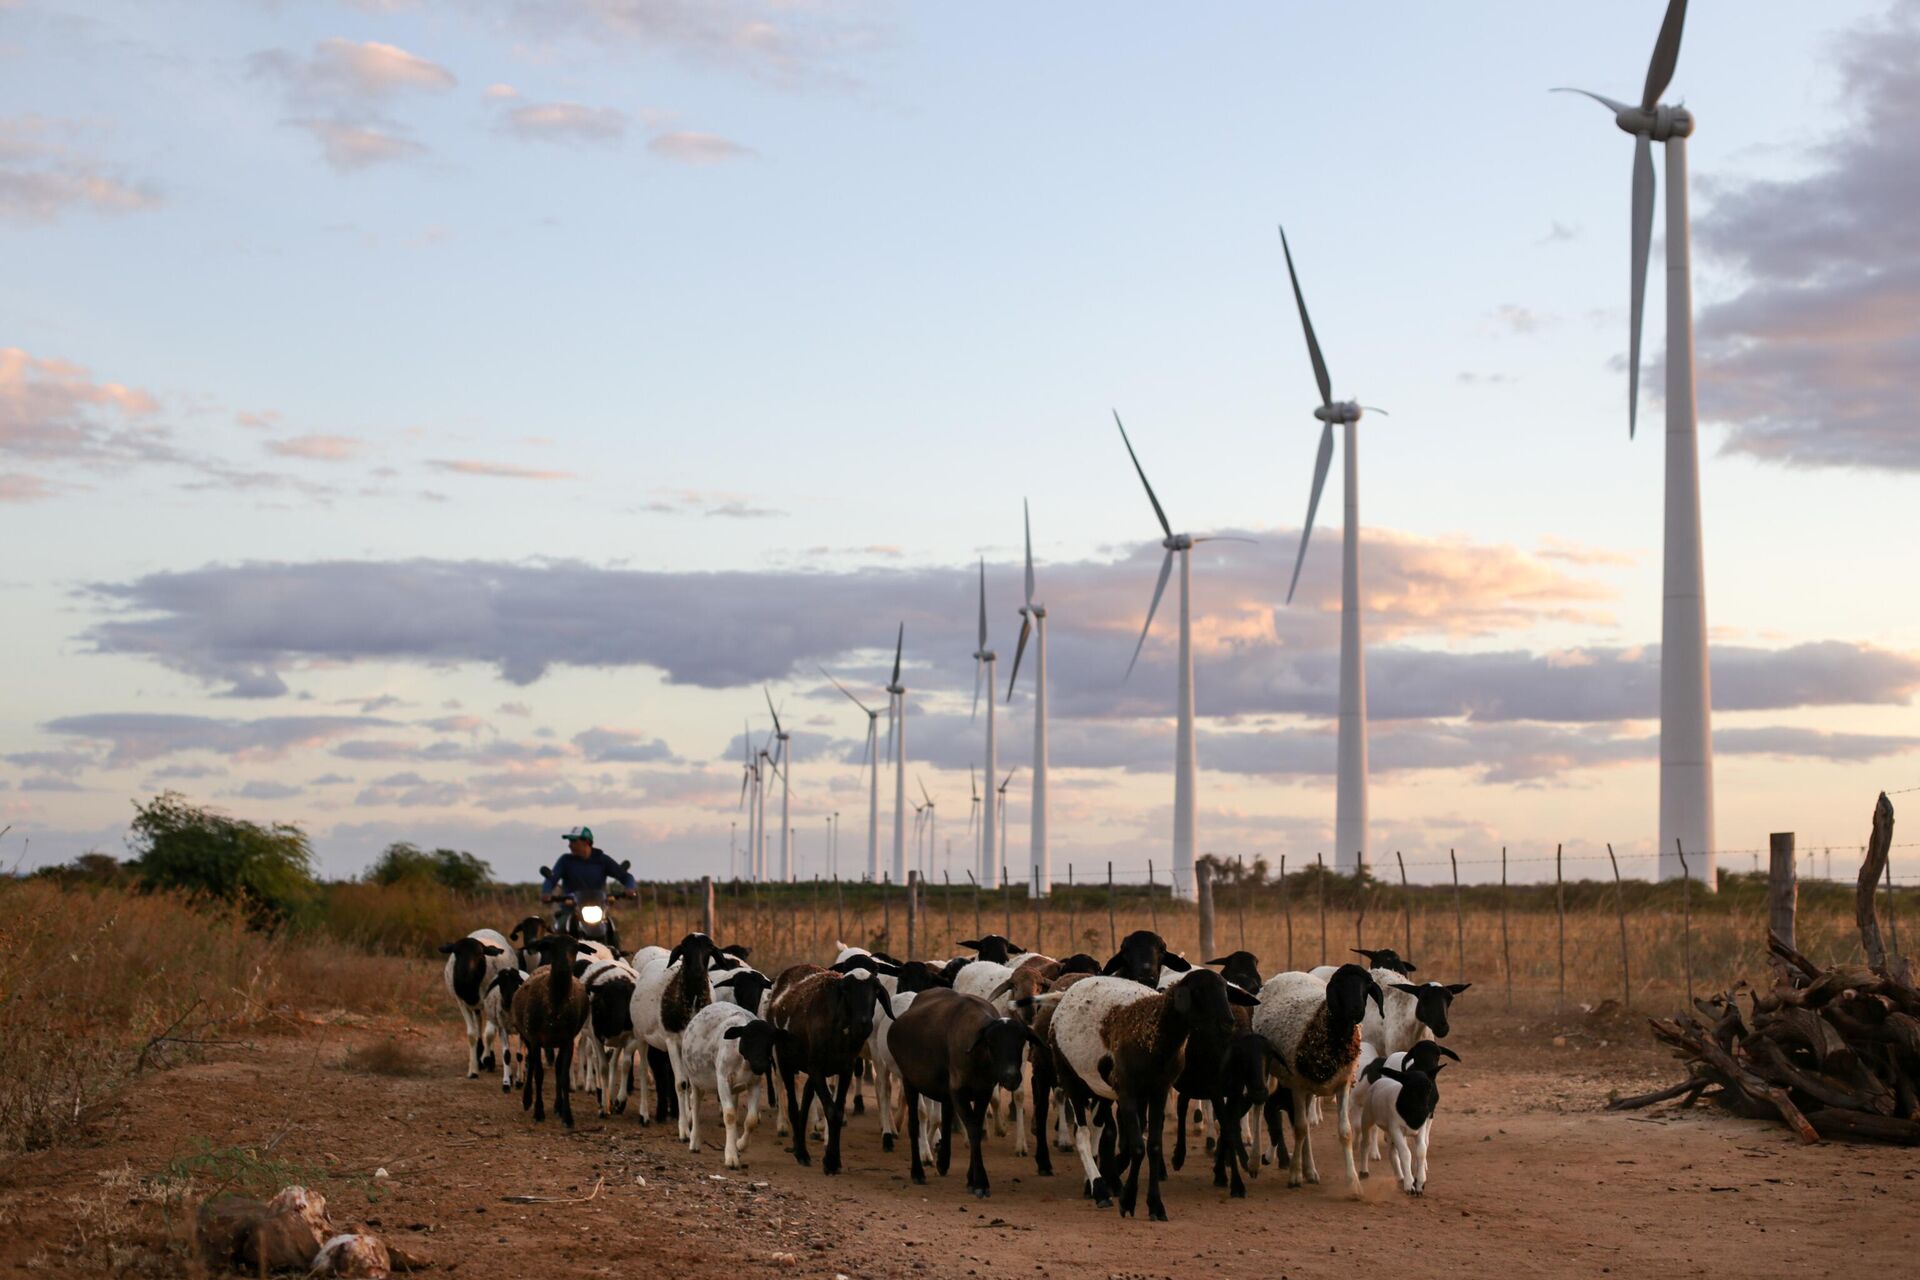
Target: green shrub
{"type": "Point", "coordinates": [202, 851]}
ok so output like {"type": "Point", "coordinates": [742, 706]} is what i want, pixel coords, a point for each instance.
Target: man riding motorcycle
{"type": "Point", "coordinates": [578, 881]}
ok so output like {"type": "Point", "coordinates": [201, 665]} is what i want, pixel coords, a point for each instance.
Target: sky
{"type": "Point", "coordinates": [451, 420]}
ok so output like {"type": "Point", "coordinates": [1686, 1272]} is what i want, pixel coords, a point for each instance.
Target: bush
{"type": "Point", "coordinates": [450, 868]}
{"type": "Point", "coordinates": [201, 851]}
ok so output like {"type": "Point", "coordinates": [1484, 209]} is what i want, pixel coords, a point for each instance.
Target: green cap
{"type": "Point", "coordinates": [578, 833]}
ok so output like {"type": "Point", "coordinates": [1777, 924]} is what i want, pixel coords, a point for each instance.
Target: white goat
{"type": "Point", "coordinates": [728, 1050]}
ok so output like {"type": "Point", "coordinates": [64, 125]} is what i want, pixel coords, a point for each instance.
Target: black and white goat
{"type": "Point", "coordinates": [472, 962]}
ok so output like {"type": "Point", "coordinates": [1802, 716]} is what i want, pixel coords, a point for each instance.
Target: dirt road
{"type": "Point", "coordinates": [1529, 1177]}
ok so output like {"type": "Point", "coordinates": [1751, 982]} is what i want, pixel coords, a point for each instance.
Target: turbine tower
{"type": "Point", "coordinates": [1184, 765]}
{"type": "Point", "coordinates": [983, 664]}
{"type": "Point", "coordinates": [1686, 687]}
{"type": "Point", "coordinates": [870, 756]}
{"type": "Point", "coordinates": [784, 767]}
{"type": "Point", "coordinates": [933, 832]}
{"type": "Point", "coordinates": [1350, 806]}
{"type": "Point", "coordinates": [1003, 804]}
{"type": "Point", "coordinates": [897, 739]}
{"type": "Point", "coordinates": [748, 777]}
{"type": "Point", "coordinates": [1033, 619]}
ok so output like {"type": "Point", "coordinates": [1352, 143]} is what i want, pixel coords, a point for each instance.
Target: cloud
{"type": "Point", "coordinates": [791, 45]}
{"type": "Point", "coordinates": [318, 448]}
{"type": "Point", "coordinates": [496, 470]}
{"type": "Point", "coordinates": [1513, 318]}
{"type": "Point", "coordinates": [1559, 233]}
{"type": "Point", "coordinates": [16, 487]}
{"type": "Point", "coordinates": [697, 501]}
{"type": "Point", "coordinates": [64, 763]}
{"type": "Point", "coordinates": [134, 737]}
{"type": "Point", "coordinates": [514, 709]}
{"type": "Point", "coordinates": [1811, 362]}
{"type": "Point", "coordinates": [330, 780]}
{"type": "Point", "coordinates": [340, 94]}
{"type": "Point", "coordinates": [45, 174]}
{"type": "Point", "coordinates": [411, 791]}
{"type": "Point", "coordinates": [54, 410]}
{"type": "Point", "coordinates": [564, 122]}
{"type": "Point", "coordinates": [616, 746]}
{"type": "Point", "coordinates": [698, 148]}
{"type": "Point", "coordinates": [264, 789]}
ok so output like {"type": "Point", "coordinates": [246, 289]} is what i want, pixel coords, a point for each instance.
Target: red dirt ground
{"type": "Point", "coordinates": [1529, 1177]}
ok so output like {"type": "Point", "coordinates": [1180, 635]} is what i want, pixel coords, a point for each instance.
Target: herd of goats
{"type": "Point", "coordinates": [1001, 1033]}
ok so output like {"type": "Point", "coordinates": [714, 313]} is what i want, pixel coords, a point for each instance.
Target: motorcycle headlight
{"type": "Point", "coordinates": [593, 913]}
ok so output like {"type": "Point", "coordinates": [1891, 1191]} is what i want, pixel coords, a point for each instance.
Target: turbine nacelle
{"type": "Point", "coordinates": [1177, 542]}
{"type": "Point", "coordinates": [1657, 123]}
{"type": "Point", "coordinates": [1340, 411]}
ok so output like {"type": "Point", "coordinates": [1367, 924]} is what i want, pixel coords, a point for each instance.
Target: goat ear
{"type": "Point", "coordinates": [494, 951]}
{"type": "Point", "coordinates": [880, 998]}
{"type": "Point", "coordinates": [1221, 960]}
{"type": "Point", "coordinates": [1033, 1036]}
{"type": "Point", "coordinates": [1000, 990]}
{"type": "Point", "coordinates": [1401, 986]}
{"type": "Point", "coordinates": [448, 948]}
{"type": "Point", "coordinates": [733, 1032]}
{"type": "Point", "coordinates": [1448, 1052]}
{"type": "Point", "coordinates": [724, 982]}
{"type": "Point", "coordinates": [972, 944]}
{"type": "Point", "coordinates": [737, 949]}
{"type": "Point", "coordinates": [1237, 994]}
{"type": "Point", "coordinates": [1373, 1069]}
{"type": "Point", "coordinates": [1379, 998]}
{"type": "Point", "coordinates": [1176, 962]}
{"type": "Point", "coordinates": [1438, 1067]}
{"type": "Point", "coordinates": [1391, 1074]}
{"type": "Point", "coordinates": [1455, 988]}
{"type": "Point", "coordinates": [1113, 965]}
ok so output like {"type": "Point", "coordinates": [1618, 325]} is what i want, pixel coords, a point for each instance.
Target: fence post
{"type": "Point", "coordinates": [706, 907]}
{"type": "Point", "coordinates": [1560, 909]}
{"type": "Point", "coordinates": [1506, 946]}
{"type": "Point", "coordinates": [1783, 885]}
{"type": "Point", "coordinates": [1459, 919]}
{"type": "Point", "coordinates": [1242, 903]}
{"type": "Point", "coordinates": [1286, 906]}
{"type": "Point", "coordinates": [1073, 933]}
{"type": "Point", "coordinates": [1320, 876]}
{"type": "Point", "coordinates": [1620, 909]}
{"type": "Point", "coordinates": [1006, 898]}
{"type": "Point", "coordinates": [1203, 890]}
{"type": "Point", "coordinates": [1113, 935]}
{"type": "Point", "coordinates": [1039, 925]}
{"type": "Point", "coordinates": [1406, 903]}
{"type": "Point", "coordinates": [1893, 916]}
{"type": "Point", "coordinates": [913, 911]}
{"type": "Point", "coordinates": [1686, 912]}
{"type": "Point", "coordinates": [1360, 911]}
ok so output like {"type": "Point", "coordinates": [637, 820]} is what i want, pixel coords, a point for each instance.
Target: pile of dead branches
{"type": "Point", "coordinates": [1833, 1052]}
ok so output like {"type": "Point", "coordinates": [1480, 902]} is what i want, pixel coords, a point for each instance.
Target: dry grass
{"type": "Point", "coordinates": [388, 1057]}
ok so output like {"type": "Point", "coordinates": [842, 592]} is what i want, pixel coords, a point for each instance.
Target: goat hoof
{"type": "Point", "coordinates": [859, 1105]}
{"type": "Point", "coordinates": [886, 1142]}
{"type": "Point", "coordinates": [919, 1178]}
{"type": "Point", "coordinates": [1365, 1174]}
{"type": "Point", "coordinates": [1238, 1193]}
{"type": "Point", "coordinates": [980, 1192]}
{"type": "Point", "coordinates": [489, 1063]}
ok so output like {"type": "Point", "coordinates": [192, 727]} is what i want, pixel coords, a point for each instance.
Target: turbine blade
{"type": "Point", "coordinates": [1225, 537]}
{"type": "Point", "coordinates": [842, 688]}
{"type": "Point", "coordinates": [1166, 569]}
{"type": "Point", "coordinates": [973, 781]}
{"type": "Point", "coordinates": [983, 603]}
{"type": "Point", "coordinates": [1009, 778]}
{"type": "Point", "coordinates": [1610, 104]}
{"type": "Point", "coordinates": [1026, 514]}
{"type": "Point", "coordinates": [1164, 526]}
{"type": "Point", "coordinates": [770, 708]}
{"type": "Point", "coordinates": [1666, 55]}
{"type": "Point", "coordinates": [1642, 245]}
{"type": "Point", "coordinates": [899, 642]}
{"type": "Point", "coordinates": [890, 701]}
{"type": "Point", "coordinates": [1320, 377]}
{"type": "Point", "coordinates": [1026, 626]}
{"type": "Point", "coordinates": [923, 788]}
{"type": "Point", "coordinates": [1320, 465]}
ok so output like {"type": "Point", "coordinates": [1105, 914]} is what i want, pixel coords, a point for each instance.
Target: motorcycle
{"type": "Point", "coordinates": [585, 915]}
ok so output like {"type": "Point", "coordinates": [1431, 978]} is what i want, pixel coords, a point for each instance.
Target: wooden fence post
{"type": "Point", "coordinates": [1406, 904]}
{"type": "Point", "coordinates": [1620, 909]}
{"type": "Point", "coordinates": [1113, 935]}
{"type": "Point", "coordinates": [1783, 886]}
{"type": "Point", "coordinates": [1506, 946]}
{"type": "Point", "coordinates": [1686, 914]}
{"type": "Point", "coordinates": [1560, 909]}
{"type": "Point", "coordinates": [1242, 896]}
{"type": "Point", "coordinates": [913, 912]}
{"type": "Point", "coordinates": [1320, 877]}
{"type": "Point", "coordinates": [1872, 866]}
{"type": "Point", "coordinates": [1203, 890]}
{"type": "Point", "coordinates": [707, 925]}
{"type": "Point", "coordinates": [1039, 924]}
{"type": "Point", "coordinates": [1459, 920]}
{"type": "Point", "coordinates": [1286, 906]}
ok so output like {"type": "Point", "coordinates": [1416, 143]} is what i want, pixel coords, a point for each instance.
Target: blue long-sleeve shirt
{"type": "Point", "coordinates": [576, 875]}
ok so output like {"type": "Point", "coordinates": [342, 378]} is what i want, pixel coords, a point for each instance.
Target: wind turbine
{"type": "Point", "coordinates": [747, 776]}
{"type": "Point", "coordinates": [1686, 713]}
{"type": "Point", "coordinates": [983, 664]}
{"type": "Point", "coordinates": [1350, 805]}
{"type": "Point", "coordinates": [762, 768]}
{"type": "Point", "coordinates": [933, 830]}
{"type": "Point", "coordinates": [872, 755]}
{"type": "Point", "coordinates": [975, 827]}
{"type": "Point", "coordinates": [1003, 807]}
{"type": "Point", "coordinates": [1033, 618]}
{"type": "Point", "coordinates": [784, 767]}
{"type": "Point", "coordinates": [1184, 766]}
{"type": "Point", "coordinates": [897, 739]}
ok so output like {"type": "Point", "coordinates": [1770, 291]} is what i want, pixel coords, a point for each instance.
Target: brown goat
{"type": "Point", "coordinates": [548, 1011]}
{"type": "Point", "coordinates": [825, 1018]}
{"type": "Point", "coordinates": [957, 1050]}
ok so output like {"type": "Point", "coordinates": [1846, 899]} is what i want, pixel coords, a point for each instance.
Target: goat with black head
{"type": "Point", "coordinates": [472, 962]}
{"type": "Point", "coordinates": [548, 1010]}
{"type": "Point", "coordinates": [826, 1017]}
{"type": "Point", "coordinates": [1313, 1028]}
{"type": "Point", "coordinates": [1142, 955]}
{"type": "Point", "coordinates": [993, 947]}
{"type": "Point", "coordinates": [956, 1050]}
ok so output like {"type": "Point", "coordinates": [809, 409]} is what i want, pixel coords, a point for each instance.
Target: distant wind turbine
{"type": "Point", "coordinates": [1184, 765]}
{"type": "Point", "coordinates": [1350, 806]}
{"type": "Point", "coordinates": [975, 827]}
{"type": "Point", "coordinates": [1686, 701]}
{"type": "Point", "coordinates": [926, 863]}
{"type": "Point", "coordinates": [871, 757]}
{"type": "Point", "coordinates": [784, 767]}
{"type": "Point", "coordinates": [897, 739]}
{"type": "Point", "coordinates": [1033, 619]}
{"type": "Point", "coordinates": [1002, 789]}
{"type": "Point", "coordinates": [983, 665]}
